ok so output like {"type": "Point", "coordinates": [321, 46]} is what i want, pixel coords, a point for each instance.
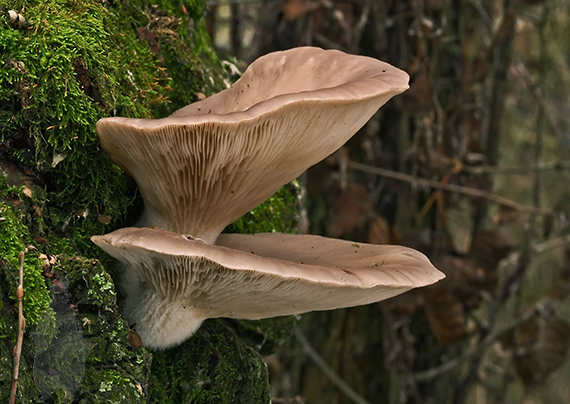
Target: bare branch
{"type": "Point", "coordinates": [359, 26]}
{"type": "Point", "coordinates": [450, 187]}
{"type": "Point", "coordinates": [320, 362]}
{"type": "Point", "coordinates": [552, 165]}
{"type": "Point", "coordinates": [558, 242]}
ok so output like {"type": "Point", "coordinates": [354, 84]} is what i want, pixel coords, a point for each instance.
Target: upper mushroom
{"type": "Point", "coordinates": [210, 162]}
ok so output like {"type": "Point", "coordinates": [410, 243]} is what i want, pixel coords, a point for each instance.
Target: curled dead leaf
{"type": "Point", "coordinates": [104, 219]}
{"type": "Point", "coordinates": [134, 339]}
{"type": "Point", "coordinates": [540, 346]}
{"type": "Point", "coordinates": [292, 9]}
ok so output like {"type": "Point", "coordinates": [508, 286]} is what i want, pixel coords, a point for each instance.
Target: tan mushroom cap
{"type": "Point", "coordinates": [210, 162]}
{"type": "Point", "coordinates": [256, 276]}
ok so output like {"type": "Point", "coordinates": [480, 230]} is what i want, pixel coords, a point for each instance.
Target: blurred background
{"type": "Point", "coordinates": [471, 165]}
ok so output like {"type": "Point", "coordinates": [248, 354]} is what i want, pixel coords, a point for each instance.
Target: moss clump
{"type": "Point", "coordinates": [214, 366]}
{"type": "Point", "coordinates": [81, 352]}
{"type": "Point", "coordinates": [265, 335]}
{"type": "Point", "coordinates": [113, 370]}
{"type": "Point", "coordinates": [27, 391]}
{"type": "Point", "coordinates": [15, 238]}
{"type": "Point", "coordinates": [58, 77]}
{"type": "Point", "coordinates": [277, 214]}
{"type": "Point", "coordinates": [176, 33]}
{"type": "Point", "coordinates": [99, 291]}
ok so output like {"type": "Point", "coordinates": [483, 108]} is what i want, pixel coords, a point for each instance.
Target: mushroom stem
{"type": "Point", "coordinates": [159, 321]}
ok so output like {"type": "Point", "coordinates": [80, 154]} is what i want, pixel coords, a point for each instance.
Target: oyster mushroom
{"type": "Point", "coordinates": [210, 162]}
{"type": "Point", "coordinates": [207, 164]}
{"type": "Point", "coordinates": [182, 281]}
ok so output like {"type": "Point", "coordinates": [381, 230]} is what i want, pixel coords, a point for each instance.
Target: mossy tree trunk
{"type": "Point", "coordinates": [63, 68]}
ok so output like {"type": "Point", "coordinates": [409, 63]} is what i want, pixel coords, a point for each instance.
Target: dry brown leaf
{"type": "Point", "coordinates": [446, 316]}
{"type": "Point", "coordinates": [104, 219]}
{"type": "Point", "coordinates": [350, 209]}
{"type": "Point", "coordinates": [292, 9]}
{"type": "Point", "coordinates": [540, 345]}
{"type": "Point", "coordinates": [148, 36]}
{"type": "Point", "coordinates": [134, 339]}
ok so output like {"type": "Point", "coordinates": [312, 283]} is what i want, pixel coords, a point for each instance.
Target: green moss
{"type": "Point", "coordinates": [81, 352]}
{"type": "Point", "coordinates": [113, 369]}
{"type": "Point", "coordinates": [64, 69]}
{"type": "Point", "coordinates": [15, 238]}
{"type": "Point", "coordinates": [265, 335]}
{"type": "Point", "coordinates": [277, 214]}
{"type": "Point", "coordinates": [98, 291]}
{"type": "Point", "coordinates": [59, 361]}
{"type": "Point", "coordinates": [176, 32]}
{"type": "Point", "coordinates": [214, 366]}
{"type": "Point", "coordinates": [28, 393]}
{"type": "Point", "coordinates": [110, 386]}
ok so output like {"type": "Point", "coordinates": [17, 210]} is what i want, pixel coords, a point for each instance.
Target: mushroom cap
{"type": "Point", "coordinates": [255, 276]}
{"type": "Point", "coordinates": [210, 162]}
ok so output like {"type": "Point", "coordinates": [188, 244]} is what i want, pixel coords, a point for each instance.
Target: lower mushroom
{"type": "Point", "coordinates": [176, 282]}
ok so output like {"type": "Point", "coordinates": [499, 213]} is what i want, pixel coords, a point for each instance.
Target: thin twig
{"type": "Point", "coordinates": [450, 187]}
{"type": "Point", "coordinates": [552, 243]}
{"type": "Point", "coordinates": [485, 17]}
{"type": "Point", "coordinates": [341, 384]}
{"type": "Point", "coordinates": [21, 326]}
{"type": "Point", "coordinates": [359, 26]}
{"type": "Point", "coordinates": [540, 100]}
{"type": "Point", "coordinates": [551, 165]}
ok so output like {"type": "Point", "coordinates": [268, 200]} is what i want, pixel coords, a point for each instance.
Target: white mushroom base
{"type": "Point", "coordinates": [160, 322]}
